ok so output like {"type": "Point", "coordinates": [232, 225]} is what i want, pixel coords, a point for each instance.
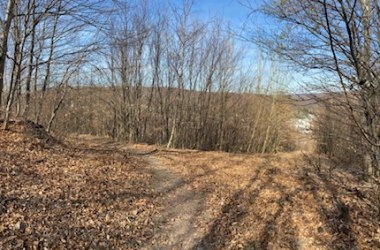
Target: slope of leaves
{"type": "Point", "coordinates": [56, 196]}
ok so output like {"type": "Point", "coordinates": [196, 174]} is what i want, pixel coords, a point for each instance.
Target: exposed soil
{"type": "Point", "coordinates": [176, 228]}
{"type": "Point", "coordinates": [95, 193]}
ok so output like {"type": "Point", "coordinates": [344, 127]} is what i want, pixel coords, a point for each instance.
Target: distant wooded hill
{"type": "Point", "coordinates": [239, 122]}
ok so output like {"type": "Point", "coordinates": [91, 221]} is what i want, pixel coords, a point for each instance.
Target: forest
{"type": "Point", "coordinates": [171, 97]}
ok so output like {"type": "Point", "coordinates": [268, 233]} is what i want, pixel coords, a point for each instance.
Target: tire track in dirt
{"type": "Point", "coordinates": [180, 206]}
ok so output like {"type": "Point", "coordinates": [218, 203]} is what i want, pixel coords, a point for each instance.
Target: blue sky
{"type": "Point", "coordinates": [232, 11]}
{"type": "Point", "coordinates": [239, 16]}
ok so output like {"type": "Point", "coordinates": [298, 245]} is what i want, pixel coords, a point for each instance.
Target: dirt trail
{"type": "Point", "coordinates": [95, 193]}
{"type": "Point", "coordinates": [175, 225]}
{"type": "Point", "coordinates": [214, 200]}
{"type": "Point", "coordinates": [180, 207]}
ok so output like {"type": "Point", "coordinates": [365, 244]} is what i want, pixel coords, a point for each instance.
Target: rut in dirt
{"type": "Point", "coordinates": [175, 226]}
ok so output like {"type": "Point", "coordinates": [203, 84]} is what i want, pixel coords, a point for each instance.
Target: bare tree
{"type": "Point", "coordinates": [340, 40]}
{"type": "Point", "coordinates": [165, 77]}
{"type": "Point", "coordinates": [5, 27]}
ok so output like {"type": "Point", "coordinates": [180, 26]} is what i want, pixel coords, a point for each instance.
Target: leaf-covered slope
{"type": "Point", "coordinates": [58, 196]}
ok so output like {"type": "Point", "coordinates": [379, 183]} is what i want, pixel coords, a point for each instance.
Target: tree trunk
{"type": "Point", "coordinates": [173, 132]}
{"type": "Point", "coordinates": [4, 42]}
{"type": "Point", "coordinates": [56, 108]}
{"type": "Point", "coordinates": [30, 65]}
{"type": "Point", "coordinates": [48, 66]}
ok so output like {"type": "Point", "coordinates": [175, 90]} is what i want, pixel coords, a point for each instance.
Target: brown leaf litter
{"type": "Point", "coordinates": [94, 193]}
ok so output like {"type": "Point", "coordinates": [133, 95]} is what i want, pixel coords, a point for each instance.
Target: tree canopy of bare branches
{"type": "Point", "coordinates": [340, 40]}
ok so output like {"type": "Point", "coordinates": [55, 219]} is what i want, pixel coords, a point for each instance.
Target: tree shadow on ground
{"type": "Point", "coordinates": [238, 208]}
{"type": "Point", "coordinates": [335, 212]}
{"type": "Point", "coordinates": [274, 228]}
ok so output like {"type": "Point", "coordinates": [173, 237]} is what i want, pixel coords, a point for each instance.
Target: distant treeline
{"type": "Point", "coordinates": [208, 121]}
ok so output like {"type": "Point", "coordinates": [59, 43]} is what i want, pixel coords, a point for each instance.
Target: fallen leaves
{"type": "Point", "coordinates": [275, 202]}
{"type": "Point", "coordinates": [55, 196]}
{"type": "Point", "coordinates": [58, 196]}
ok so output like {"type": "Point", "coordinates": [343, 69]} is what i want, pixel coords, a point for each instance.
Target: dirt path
{"type": "Point", "coordinates": [98, 194]}
{"type": "Point", "coordinates": [180, 207]}
{"type": "Point", "coordinates": [214, 200]}
{"type": "Point", "coordinates": [175, 225]}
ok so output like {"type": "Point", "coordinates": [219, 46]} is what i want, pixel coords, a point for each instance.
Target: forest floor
{"type": "Point", "coordinates": [89, 192]}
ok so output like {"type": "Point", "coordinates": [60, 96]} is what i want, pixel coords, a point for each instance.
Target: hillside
{"type": "Point", "coordinates": [90, 192]}
{"type": "Point", "coordinates": [58, 196]}
{"type": "Point", "coordinates": [229, 121]}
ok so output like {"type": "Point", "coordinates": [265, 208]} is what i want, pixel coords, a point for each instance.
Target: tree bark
{"type": "Point", "coordinates": [4, 43]}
